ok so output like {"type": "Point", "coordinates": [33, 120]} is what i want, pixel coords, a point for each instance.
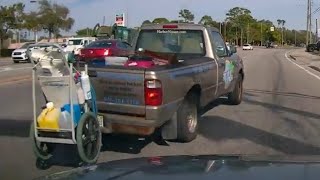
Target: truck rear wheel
{"type": "Point", "coordinates": [235, 97]}
{"type": "Point", "coordinates": [187, 120]}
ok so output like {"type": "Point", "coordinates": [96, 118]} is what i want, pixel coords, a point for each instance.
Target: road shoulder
{"type": "Point", "coordinates": [310, 62]}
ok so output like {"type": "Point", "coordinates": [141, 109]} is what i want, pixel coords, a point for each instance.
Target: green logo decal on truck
{"type": "Point", "coordinates": [228, 74]}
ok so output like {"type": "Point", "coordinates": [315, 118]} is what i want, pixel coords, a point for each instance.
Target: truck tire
{"type": "Point", "coordinates": [235, 97]}
{"type": "Point", "coordinates": [311, 49]}
{"type": "Point", "coordinates": [187, 119]}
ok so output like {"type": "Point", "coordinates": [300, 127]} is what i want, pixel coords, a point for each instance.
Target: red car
{"type": "Point", "coordinates": [98, 50]}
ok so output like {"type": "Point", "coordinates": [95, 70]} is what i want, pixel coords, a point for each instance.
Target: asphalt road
{"type": "Point", "coordinates": [279, 115]}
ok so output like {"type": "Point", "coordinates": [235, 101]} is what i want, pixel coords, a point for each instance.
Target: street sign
{"type": "Point", "coordinates": [120, 19]}
{"type": "Point", "coordinates": [272, 29]}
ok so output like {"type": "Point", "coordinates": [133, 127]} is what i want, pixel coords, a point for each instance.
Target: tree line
{"type": "Point", "coordinates": [51, 18]}
{"type": "Point", "coordinates": [241, 27]}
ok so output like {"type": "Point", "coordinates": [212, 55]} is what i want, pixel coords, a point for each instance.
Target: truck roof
{"type": "Point", "coordinates": [189, 26]}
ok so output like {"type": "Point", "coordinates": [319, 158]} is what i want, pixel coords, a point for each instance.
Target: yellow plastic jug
{"type": "Point", "coordinates": [49, 118]}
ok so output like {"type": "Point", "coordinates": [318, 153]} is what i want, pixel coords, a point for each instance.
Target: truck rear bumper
{"type": "Point", "coordinates": [156, 117]}
{"type": "Point", "coordinates": [129, 120]}
{"type": "Point", "coordinates": [114, 123]}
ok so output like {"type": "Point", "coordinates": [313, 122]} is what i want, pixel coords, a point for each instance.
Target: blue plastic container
{"type": "Point", "coordinates": [76, 112]}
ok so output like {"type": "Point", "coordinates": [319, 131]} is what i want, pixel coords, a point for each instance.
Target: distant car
{"type": "Point", "coordinates": [269, 45]}
{"type": "Point", "coordinates": [20, 54]}
{"type": "Point", "coordinates": [76, 44]}
{"type": "Point", "coordinates": [247, 47]}
{"type": "Point", "coordinates": [99, 50]}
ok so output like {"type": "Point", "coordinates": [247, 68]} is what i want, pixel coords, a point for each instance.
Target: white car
{"type": "Point", "coordinates": [20, 54]}
{"type": "Point", "coordinates": [247, 47]}
{"type": "Point", "coordinates": [76, 44]}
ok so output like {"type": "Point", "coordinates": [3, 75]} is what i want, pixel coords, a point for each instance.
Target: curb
{"type": "Point", "coordinates": [292, 57]}
{"type": "Point", "coordinates": [304, 55]}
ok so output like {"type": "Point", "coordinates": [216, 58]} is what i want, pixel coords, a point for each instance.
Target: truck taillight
{"type": "Point", "coordinates": [170, 26]}
{"type": "Point", "coordinates": [153, 93]}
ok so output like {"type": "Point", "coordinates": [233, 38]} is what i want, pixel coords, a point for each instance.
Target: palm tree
{"type": "Point", "coordinates": [279, 22]}
{"type": "Point", "coordinates": [206, 20]}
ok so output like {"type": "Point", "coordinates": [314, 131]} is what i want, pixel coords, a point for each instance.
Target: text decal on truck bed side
{"type": "Point", "coordinates": [191, 71]}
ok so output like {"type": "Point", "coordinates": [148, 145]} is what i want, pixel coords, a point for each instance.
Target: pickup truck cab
{"type": "Point", "coordinates": [168, 98]}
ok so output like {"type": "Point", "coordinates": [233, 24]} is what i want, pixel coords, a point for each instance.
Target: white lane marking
{"type": "Point", "coordinates": [13, 69]}
{"type": "Point", "coordinates": [306, 70]}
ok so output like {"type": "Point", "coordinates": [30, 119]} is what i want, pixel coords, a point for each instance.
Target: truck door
{"type": "Point", "coordinates": [225, 65]}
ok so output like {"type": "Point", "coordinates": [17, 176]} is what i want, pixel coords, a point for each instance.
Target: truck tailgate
{"type": "Point", "coordinates": [119, 90]}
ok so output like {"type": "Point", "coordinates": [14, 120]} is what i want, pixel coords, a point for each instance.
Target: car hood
{"type": "Point", "coordinates": [20, 50]}
{"type": "Point", "coordinates": [201, 167]}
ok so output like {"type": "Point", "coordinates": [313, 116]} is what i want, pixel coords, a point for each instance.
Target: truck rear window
{"type": "Point", "coordinates": [175, 41]}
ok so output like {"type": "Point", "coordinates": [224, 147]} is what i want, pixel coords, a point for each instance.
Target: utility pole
{"type": "Point", "coordinates": [316, 30]}
{"type": "Point", "coordinates": [220, 27]}
{"type": "Point", "coordinates": [261, 34]}
{"type": "Point", "coordinates": [308, 19]}
{"type": "Point", "coordinates": [295, 38]}
{"type": "Point", "coordinates": [282, 35]}
{"type": "Point", "coordinates": [225, 30]}
{"type": "Point", "coordinates": [248, 33]}
{"type": "Point", "coordinates": [241, 34]}
{"type": "Point", "coordinates": [310, 22]}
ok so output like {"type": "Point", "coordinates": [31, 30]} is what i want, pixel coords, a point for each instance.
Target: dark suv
{"type": "Point", "coordinates": [312, 47]}
{"type": "Point", "coordinates": [269, 45]}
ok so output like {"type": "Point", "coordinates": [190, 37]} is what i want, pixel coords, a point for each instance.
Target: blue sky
{"type": "Point", "coordinates": [89, 12]}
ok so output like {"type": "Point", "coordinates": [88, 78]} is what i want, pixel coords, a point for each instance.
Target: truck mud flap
{"type": "Point", "coordinates": [169, 129]}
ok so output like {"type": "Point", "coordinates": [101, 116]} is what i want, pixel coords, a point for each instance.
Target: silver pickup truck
{"type": "Point", "coordinates": [167, 98]}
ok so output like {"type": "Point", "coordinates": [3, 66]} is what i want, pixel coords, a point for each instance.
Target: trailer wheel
{"type": "Point", "coordinates": [88, 138]}
{"type": "Point", "coordinates": [43, 151]}
{"type": "Point", "coordinates": [187, 117]}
